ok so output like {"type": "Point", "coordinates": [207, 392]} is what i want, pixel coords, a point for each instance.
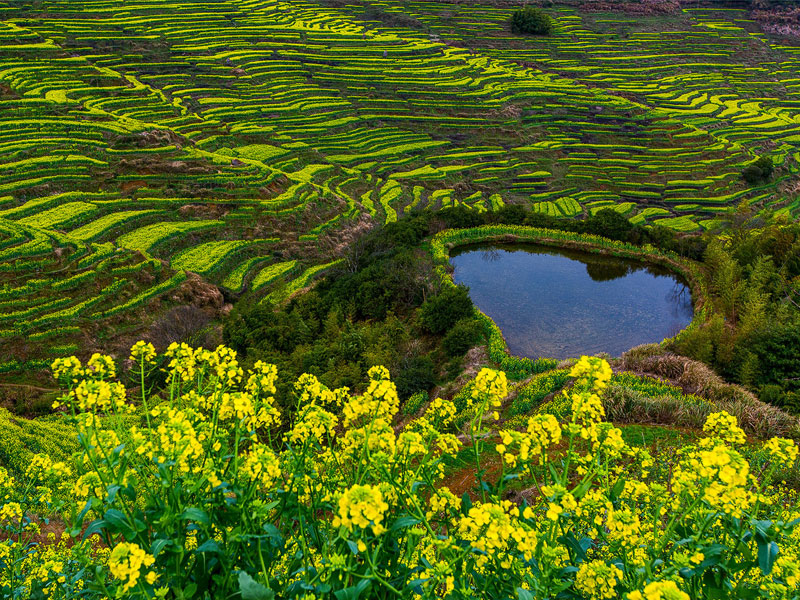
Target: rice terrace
{"type": "Point", "coordinates": [237, 358]}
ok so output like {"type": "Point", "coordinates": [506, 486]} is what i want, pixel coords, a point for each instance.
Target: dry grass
{"type": "Point", "coordinates": [755, 417]}
{"type": "Point", "coordinates": [624, 405]}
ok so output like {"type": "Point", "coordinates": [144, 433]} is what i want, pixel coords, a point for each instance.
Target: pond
{"type": "Point", "coordinates": [558, 303]}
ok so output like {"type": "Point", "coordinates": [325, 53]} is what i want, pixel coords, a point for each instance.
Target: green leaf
{"type": "Point", "coordinates": [112, 493]}
{"type": "Point", "coordinates": [767, 553]}
{"type": "Point", "coordinates": [196, 514]}
{"type": "Point", "coordinates": [158, 545]}
{"type": "Point", "coordinates": [209, 546]}
{"type": "Point", "coordinates": [83, 513]}
{"type": "Point", "coordinates": [273, 535]}
{"type": "Point", "coordinates": [553, 473]}
{"type": "Point", "coordinates": [252, 590]}
{"type": "Point", "coordinates": [116, 520]}
{"type": "Point", "coordinates": [617, 489]}
{"type": "Point", "coordinates": [95, 526]}
{"type": "Point", "coordinates": [404, 523]}
{"type": "Point", "coordinates": [580, 492]}
{"type": "Point", "coordinates": [524, 594]}
{"type": "Point", "coordinates": [354, 591]}
{"type": "Point", "coordinates": [711, 556]}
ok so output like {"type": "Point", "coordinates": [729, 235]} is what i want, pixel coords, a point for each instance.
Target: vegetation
{"type": "Point", "coordinates": [329, 500]}
{"type": "Point", "coordinates": [255, 169]}
{"type": "Point", "coordinates": [760, 171]}
{"type": "Point", "coordinates": [752, 338]}
{"type": "Point", "coordinates": [284, 181]}
{"type": "Point", "coordinates": [532, 21]}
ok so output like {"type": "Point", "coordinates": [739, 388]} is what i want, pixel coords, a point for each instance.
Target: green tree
{"type": "Point", "coordinates": [531, 21]}
{"type": "Point", "coordinates": [777, 349]}
{"type": "Point", "coordinates": [443, 311]}
{"type": "Point", "coordinates": [758, 171]}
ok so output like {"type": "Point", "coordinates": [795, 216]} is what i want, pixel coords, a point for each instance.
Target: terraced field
{"type": "Point", "coordinates": [248, 141]}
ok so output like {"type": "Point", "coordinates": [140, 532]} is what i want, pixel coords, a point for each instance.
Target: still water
{"type": "Point", "coordinates": [560, 303]}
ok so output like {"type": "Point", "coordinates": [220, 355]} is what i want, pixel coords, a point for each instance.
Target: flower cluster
{"type": "Point", "coordinates": [542, 433]}
{"type": "Point", "coordinates": [143, 352]}
{"type": "Point", "coordinates": [598, 580]}
{"type": "Point", "coordinates": [495, 531]}
{"type": "Point", "coordinates": [724, 427]}
{"type": "Point", "coordinates": [659, 590]}
{"type": "Point", "coordinates": [126, 564]}
{"type": "Point", "coordinates": [782, 450]}
{"type": "Point", "coordinates": [379, 401]}
{"type": "Point", "coordinates": [262, 465]}
{"type": "Point", "coordinates": [717, 474]}
{"type": "Point", "coordinates": [362, 507]}
{"type": "Point", "coordinates": [490, 388]}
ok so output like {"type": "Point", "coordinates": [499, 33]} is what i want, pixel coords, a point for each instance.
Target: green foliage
{"type": "Point", "coordinates": [441, 312]}
{"type": "Point", "coordinates": [759, 171]}
{"type": "Point", "coordinates": [21, 438]}
{"type": "Point", "coordinates": [752, 336]}
{"type": "Point", "coordinates": [531, 395]}
{"type": "Point", "coordinates": [516, 367]}
{"type": "Point", "coordinates": [777, 350]}
{"type": "Point", "coordinates": [417, 374]}
{"type": "Point", "coordinates": [465, 334]}
{"type": "Point", "coordinates": [531, 21]}
{"type": "Point", "coordinates": [609, 223]}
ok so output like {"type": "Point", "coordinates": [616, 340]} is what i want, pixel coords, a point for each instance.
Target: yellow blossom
{"type": "Point", "coordinates": [126, 562]}
{"type": "Point", "coordinates": [598, 580]}
{"type": "Point", "coordinates": [361, 506]}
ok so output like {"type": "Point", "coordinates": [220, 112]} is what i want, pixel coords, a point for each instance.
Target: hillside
{"type": "Point", "coordinates": [239, 357]}
{"type": "Point", "coordinates": [247, 142]}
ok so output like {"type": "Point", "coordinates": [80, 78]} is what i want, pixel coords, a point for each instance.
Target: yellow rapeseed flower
{"type": "Point", "coordinates": [660, 590]}
{"type": "Point", "coordinates": [360, 507]}
{"type": "Point", "coordinates": [597, 580]}
{"type": "Point", "coordinates": [143, 352]}
{"type": "Point", "coordinates": [724, 426]}
{"type": "Point", "coordinates": [126, 563]}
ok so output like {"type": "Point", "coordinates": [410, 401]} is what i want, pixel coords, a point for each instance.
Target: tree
{"type": "Point", "coordinates": [777, 349]}
{"type": "Point", "coordinates": [441, 312]}
{"type": "Point", "coordinates": [462, 336]}
{"type": "Point", "coordinates": [758, 171]}
{"type": "Point", "coordinates": [531, 21]}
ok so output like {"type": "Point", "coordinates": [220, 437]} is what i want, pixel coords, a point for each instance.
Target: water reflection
{"type": "Point", "coordinates": [562, 303]}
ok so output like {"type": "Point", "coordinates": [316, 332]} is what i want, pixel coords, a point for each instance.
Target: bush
{"type": "Point", "coordinates": [759, 171]}
{"type": "Point", "coordinates": [416, 375]}
{"type": "Point", "coordinates": [464, 335]}
{"type": "Point", "coordinates": [609, 223]}
{"type": "Point", "coordinates": [531, 21]}
{"type": "Point", "coordinates": [441, 312]}
{"type": "Point", "coordinates": [777, 350]}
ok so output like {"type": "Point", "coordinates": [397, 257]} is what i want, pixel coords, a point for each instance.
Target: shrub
{"type": "Point", "coordinates": [609, 223]}
{"type": "Point", "coordinates": [759, 171]}
{"type": "Point", "coordinates": [443, 311]}
{"type": "Point", "coordinates": [463, 336]}
{"type": "Point", "coordinates": [416, 375]}
{"type": "Point", "coordinates": [531, 21]}
{"type": "Point", "coordinates": [777, 350]}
